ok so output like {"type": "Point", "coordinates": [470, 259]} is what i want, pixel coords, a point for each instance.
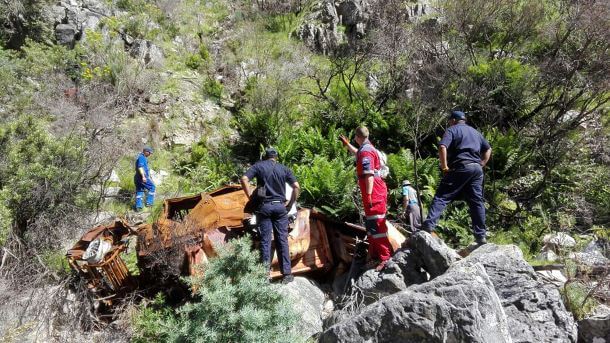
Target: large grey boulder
{"type": "Point", "coordinates": [596, 327]}
{"type": "Point", "coordinates": [308, 300]}
{"type": "Point", "coordinates": [65, 34]}
{"type": "Point", "coordinates": [403, 269]}
{"type": "Point", "coordinates": [534, 309]}
{"type": "Point", "coordinates": [436, 256]}
{"type": "Point", "coordinates": [459, 306]}
{"type": "Point", "coordinates": [147, 52]}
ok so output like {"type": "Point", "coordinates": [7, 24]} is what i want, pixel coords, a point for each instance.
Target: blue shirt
{"type": "Point", "coordinates": [464, 145]}
{"type": "Point", "coordinates": [273, 176]}
{"type": "Point", "coordinates": [142, 162]}
{"type": "Point", "coordinates": [409, 192]}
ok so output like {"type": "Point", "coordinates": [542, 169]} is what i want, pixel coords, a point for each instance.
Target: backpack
{"type": "Point", "coordinates": [384, 170]}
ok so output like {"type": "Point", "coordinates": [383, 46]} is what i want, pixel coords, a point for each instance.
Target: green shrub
{"type": "Point", "coordinates": [234, 303]}
{"type": "Point", "coordinates": [44, 179]}
{"type": "Point", "coordinates": [194, 61]}
{"type": "Point", "coordinates": [213, 88]}
{"type": "Point", "coordinates": [6, 218]}
{"type": "Point", "coordinates": [237, 304]}
{"type": "Point", "coordinates": [327, 185]}
{"type": "Point", "coordinates": [153, 321]}
{"type": "Point", "coordinates": [577, 299]}
{"type": "Point", "coordinates": [206, 169]}
{"type": "Point", "coordinates": [55, 260]}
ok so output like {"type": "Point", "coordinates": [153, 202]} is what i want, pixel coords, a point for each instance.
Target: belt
{"type": "Point", "coordinates": [457, 165]}
{"type": "Point", "coordinates": [375, 216]}
{"type": "Point", "coordinates": [273, 202]}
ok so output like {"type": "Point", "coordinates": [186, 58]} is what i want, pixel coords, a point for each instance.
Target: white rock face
{"type": "Point", "coordinates": [114, 176]}
{"type": "Point", "coordinates": [158, 177]}
{"type": "Point", "coordinates": [308, 301]}
{"type": "Point", "coordinates": [559, 240]}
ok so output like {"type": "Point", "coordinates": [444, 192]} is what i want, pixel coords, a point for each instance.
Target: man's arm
{"type": "Point", "coordinates": [369, 189]}
{"type": "Point", "coordinates": [142, 173]}
{"type": "Point", "coordinates": [442, 156]}
{"type": "Point", "coordinates": [352, 149]}
{"type": "Point", "coordinates": [245, 185]}
{"type": "Point", "coordinates": [296, 190]}
{"type": "Point", "coordinates": [486, 157]}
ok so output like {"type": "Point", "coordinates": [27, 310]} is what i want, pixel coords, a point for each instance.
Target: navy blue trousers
{"type": "Point", "coordinates": [467, 181]}
{"type": "Point", "coordinates": [272, 218]}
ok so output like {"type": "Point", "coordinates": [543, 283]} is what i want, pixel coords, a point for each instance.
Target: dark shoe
{"type": "Point", "coordinates": [287, 279]}
{"type": "Point", "coordinates": [481, 241]}
{"type": "Point", "coordinates": [381, 265]}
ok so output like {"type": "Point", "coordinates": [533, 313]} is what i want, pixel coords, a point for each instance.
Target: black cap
{"type": "Point", "coordinates": [270, 153]}
{"type": "Point", "coordinates": [458, 115]}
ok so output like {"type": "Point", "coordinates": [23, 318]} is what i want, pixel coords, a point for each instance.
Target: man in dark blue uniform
{"type": "Point", "coordinates": [463, 152]}
{"type": "Point", "coordinates": [272, 213]}
{"type": "Point", "coordinates": [142, 180]}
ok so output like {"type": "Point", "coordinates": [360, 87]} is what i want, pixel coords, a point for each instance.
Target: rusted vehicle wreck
{"type": "Point", "coordinates": [189, 232]}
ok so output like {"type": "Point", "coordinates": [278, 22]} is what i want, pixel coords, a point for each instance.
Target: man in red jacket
{"type": "Point", "coordinates": [374, 195]}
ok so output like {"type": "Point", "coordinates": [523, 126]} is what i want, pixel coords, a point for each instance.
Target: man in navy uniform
{"type": "Point", "coordinates": [272, 214]}
{"type": "Point", "coordinates": [463, 152]}
{"type": "Point", "coordinates": [143, 181]}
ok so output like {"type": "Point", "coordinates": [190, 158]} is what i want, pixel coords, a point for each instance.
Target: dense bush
{"type": "Point", "coordinates": [44, 180]}
{"type": "Point", "coordinates": [234, 302]}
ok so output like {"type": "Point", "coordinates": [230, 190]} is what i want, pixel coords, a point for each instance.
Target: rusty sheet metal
{"type": "Point", "coordinates": [219, 217]}
{"type": "Point", "coordinates": [110, 275]}
{"type": "Point", "coordinates": [191, 229]}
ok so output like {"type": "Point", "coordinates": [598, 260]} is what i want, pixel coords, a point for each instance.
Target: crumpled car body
{"type": "Point", "coordinates": [191, 229]}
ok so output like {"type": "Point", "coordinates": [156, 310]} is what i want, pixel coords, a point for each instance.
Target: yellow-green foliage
{"type": "Point", "coordinates": [56, 261]}
{"type": "Point", "coordinates": [577, 299]}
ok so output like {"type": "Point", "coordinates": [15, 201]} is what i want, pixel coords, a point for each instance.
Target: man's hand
{"type": "Point", "coordinates": [143, 179]}
{"type": "Point", "coordinates": [445, 170]}
{"type": "Point", "coordinates": [344, 140]}
{"type": "Point", "coordinates": [370, 200]}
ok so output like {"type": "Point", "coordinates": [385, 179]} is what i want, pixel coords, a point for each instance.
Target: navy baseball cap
{"type": "Point", "coordinates": [458, 115]}
{"type": "Point", "coordinates": [270, 152]}
{"type": "Point", "coordinates": [148, 149]}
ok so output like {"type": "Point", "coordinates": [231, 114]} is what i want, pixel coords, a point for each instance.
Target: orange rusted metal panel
{"type": "Point", "coordinates": [111, 273]}
{"type": "Point", "coordinates": [192, 228]}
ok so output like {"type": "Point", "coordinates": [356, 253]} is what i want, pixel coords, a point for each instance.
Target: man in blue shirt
{"type": "Point", "coordinates": [463, 152]}
{"type": "Point", "coordinates": [272, 213]}
{"type": "Point", "coordinates": [143, 180]}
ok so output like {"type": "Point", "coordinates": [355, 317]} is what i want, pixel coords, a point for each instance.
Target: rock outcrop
{"type": "Point", "coordinates": [459, 306]}
{"type": "Point", "coordinates": [423, 253]}
{"type": "Point", "coordinates": [437, 257]}
{"type": "Point", "coordinates": [70, 18]}
{"type": "Point", "coordinates": [319, 29]}
{"type": "Point", "coordinates": [596, 327]}
{"type": "Point", "coordinates": [534, 309]}
{"type": "Point", "coordinates": [492, 295]}
{"type": "Point", "coordinates": [332, 22]}
{"type": "Point", "coordinates": [307, 300]}
{"type": "Point", "coordinates": [373, 285]}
